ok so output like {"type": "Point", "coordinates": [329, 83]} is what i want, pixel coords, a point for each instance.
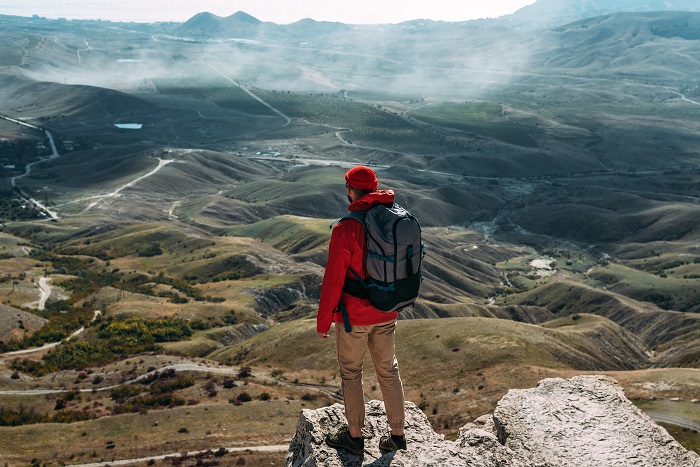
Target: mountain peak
{"type": "Point", "coordinates": [245, 18]}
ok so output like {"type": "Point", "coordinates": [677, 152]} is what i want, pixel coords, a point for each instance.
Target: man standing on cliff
{"type": "Point", "coordinates": [371, 328]}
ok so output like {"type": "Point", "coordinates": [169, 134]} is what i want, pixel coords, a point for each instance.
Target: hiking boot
{"type": "Point", "coordinates": [343, 440]}
{"type": "Point", "coordinates": [390, 443]}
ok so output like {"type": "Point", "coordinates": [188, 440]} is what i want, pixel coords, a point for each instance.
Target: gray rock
{"type": "Point", "coordinates": [584, 421]}
{"type": "Point", "coordinates": [476, 448]}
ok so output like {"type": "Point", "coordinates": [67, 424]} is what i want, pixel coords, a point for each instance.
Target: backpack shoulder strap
{"type": "Point", "coordinates": [359, 216]}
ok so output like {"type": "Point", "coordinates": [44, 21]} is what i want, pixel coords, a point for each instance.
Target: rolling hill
{"type": "Point", "coordinates": [671, 334]}
{"type": "Point", "coordinates": [552, 13]}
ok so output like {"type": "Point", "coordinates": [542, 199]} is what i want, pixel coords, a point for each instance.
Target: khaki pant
{"type": "Point", "coordinates": [350, 348]}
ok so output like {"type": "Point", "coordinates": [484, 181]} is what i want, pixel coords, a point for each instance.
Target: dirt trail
{"type": "Point", "coordinates": [250, 93]}
{"type": "Point", "coordinates": [44, 294]}
{"type": "Point", "coordinates": [329, 391]}
{"type": "Point", "coordinates": [40, 349]}
{"type": "Point", "coordinates": [45, 291]}
{"type": "Point", "coordinates": [161, 163]}
{"type": "Point", "coordinates": [673, 420]}
{"type": "Point", "coordinates": [274, 448]}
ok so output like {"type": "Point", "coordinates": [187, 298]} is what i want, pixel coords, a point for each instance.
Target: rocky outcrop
{"type": "Point", "coordinates": [425, 447]}
{"type": "Point", "coordinates": [271, 300]}
{"type": "Point", "coordinates": [584, 421]}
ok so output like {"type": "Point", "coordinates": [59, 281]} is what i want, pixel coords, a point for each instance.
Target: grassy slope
{"type": "Point", "coordinates": [449, 346]}
{"type": "Point", "coordinates": [457, 368]}
{"type": "Point", "coordinates": [14, 323]}
{"type": "Point", "coordinates": [676, 293]}
{"type": "Point", "coordinates": [288, 234]}
{"type": "Point", "coordinates": [673, 335]}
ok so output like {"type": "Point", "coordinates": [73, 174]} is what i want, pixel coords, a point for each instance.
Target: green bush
{"type": "Point", "coordinates": [19, 416]}
{"type": "Point", "coordinates": [124, 392]}
{"type": "Point", "coordinates": [152, 250]}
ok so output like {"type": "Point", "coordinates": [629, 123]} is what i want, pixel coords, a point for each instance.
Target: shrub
{"type": "Point", "coordinates": [244, 397]}
{"type": "Point", "coordinates": [20, 416]}
{"type": "Point", "coordinates": [152, 250]}
{"type": "Point", "coordinates": [244, 372]}
{"type": "Point", "coordinates": [71, 416]}
{"type": "Point", "coordinates": [124, 392]}
{"type": "Point", "coordinates": [181, 382]}
{"type": "Point", "coordinates": [228, 383]}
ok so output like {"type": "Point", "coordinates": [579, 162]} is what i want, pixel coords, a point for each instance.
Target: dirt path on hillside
{"type": "Point", "coordinates": [161, 163]}
{"type": "Point", "coordinates": [251, 94]}
{"type": "Point", "coordinates": [44, 294]}
{"type": "Point", "coordinates": [330, 391]}
{"type": "Point", "coordinates": [45, 291]}
{"type": "Point", "coordinates": [40, 349]}
{"type": "Point", "coordinates": [274, 448]}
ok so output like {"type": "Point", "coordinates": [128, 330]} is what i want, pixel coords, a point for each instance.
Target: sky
{"type": "Point", "coordinates": [277, 11]}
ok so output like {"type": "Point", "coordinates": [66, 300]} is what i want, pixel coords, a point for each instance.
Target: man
{"type": "Point", "coordinates": [371, 328]}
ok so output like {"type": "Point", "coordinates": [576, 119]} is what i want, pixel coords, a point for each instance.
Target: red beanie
{"type": "Point", "coordinates": [361, 177]}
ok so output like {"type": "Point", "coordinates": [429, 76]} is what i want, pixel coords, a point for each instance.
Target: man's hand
{"type": "Point", "coordinates": [323, 335]}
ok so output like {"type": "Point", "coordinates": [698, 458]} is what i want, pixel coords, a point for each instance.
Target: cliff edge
{"type": "Point", "coordinates": [583, 421]}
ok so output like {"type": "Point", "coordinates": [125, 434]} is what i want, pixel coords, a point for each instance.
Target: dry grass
{"type": "Point", "coordinates": [212, 423]}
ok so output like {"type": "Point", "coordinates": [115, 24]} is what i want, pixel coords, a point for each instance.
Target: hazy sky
{"type": "Point", "coordinates": [278, 11]}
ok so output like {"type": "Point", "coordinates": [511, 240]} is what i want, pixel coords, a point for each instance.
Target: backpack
{"type": "Point", "coordinates": [394, 256]}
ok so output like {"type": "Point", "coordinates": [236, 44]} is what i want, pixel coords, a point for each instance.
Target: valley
{"type": "Point", "coordinates": [167, 195]}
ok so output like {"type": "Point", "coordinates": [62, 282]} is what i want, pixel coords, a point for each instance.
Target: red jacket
{"type": "Point", "coordinates": [347, 249]}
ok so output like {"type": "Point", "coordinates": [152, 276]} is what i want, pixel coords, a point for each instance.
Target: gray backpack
{"type": "Point", "coordinates": [394, 258]}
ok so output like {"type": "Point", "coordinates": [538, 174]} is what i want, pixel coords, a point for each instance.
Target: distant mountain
{"type": "Point", "coordinates": [552, 13]}
{"type": "Point", "coordinates": [543, 14]}
{"type": "Point", "coordinates": [630, 44]}
{"type": "Point", "coordinates": [238, 25]}
{"type": "Point", "coordinates": [312, 27]}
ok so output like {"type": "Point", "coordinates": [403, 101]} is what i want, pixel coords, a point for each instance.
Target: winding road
{"type": "Point", "coordinates": [275, 448]}
{"type": "Point", "coordinates": [674, 420]}
{"type": "Point", "coordinates": [329, 391]}
{"type": "Point", "coordinates": [43, 347]}
{"type": "Point", "coordinates": [54, 154]}
{"type": "Point", "coordinates": [45, 290]}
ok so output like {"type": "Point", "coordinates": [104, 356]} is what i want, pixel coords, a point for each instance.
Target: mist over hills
{"type": "Point", "coordinates": [552, 13]}
{"type": "Point", "coordinates": [408, 57]}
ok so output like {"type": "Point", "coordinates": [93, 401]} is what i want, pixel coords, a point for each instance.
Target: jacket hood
{"type": "Point", "coordinates": [370, 199]}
